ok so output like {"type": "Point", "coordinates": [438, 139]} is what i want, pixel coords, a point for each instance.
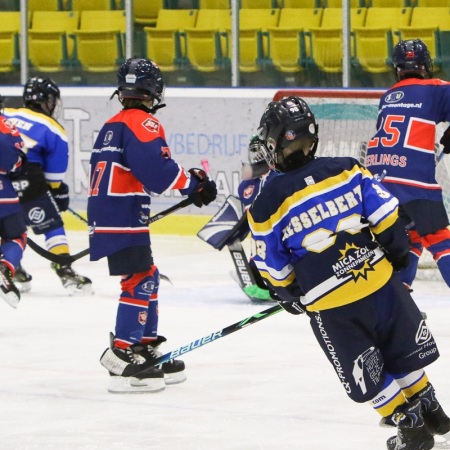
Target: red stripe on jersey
{"type": "Point", "coordinates": [437, 237]}
{"type": "Point", "coordinates": [119, 343]}
{"type": "Point", "coordinates": [441, 254]}
{"type": "Point", "coordinates": [123, 182]}
{"type": "Point", "coordinates": [420, 135]}
{"type": "Point", "coordinates": [133, 302]}
{"type": "Point", "coordinates": [8, 201]}
{"type": "Point", "coordinates": [120, 230]}
{"type": "Point", "coordinates": [182, 181]}
{"type": "Point", "coordinates": [410, 183]}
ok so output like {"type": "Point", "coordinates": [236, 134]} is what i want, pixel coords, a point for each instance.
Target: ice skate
{"type": "Point", "coordinates": [76, 284]}
{"type": "Point", "coordinates": [130, 373]}
{"type": "Point", "coordinates": [22, 280]}
{"type": "Point", "coordinates": [173, 369]}
{"type": "Point", "coordinates": [8, 291]}
{"type": "Point", "coordinates": [433, 414]}
{"type": "Point", "coordinates": [412, 432]}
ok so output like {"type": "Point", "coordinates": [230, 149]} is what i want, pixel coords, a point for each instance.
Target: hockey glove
{"type": "Point", "coordinates": [445, 141]}
{"type": "Point", "coordinates": [398, 263]}
{"type": "Point", "coordinates": [61, 196]}
{"type": "Point", "coordinates": [295, 308]}
{"type": "Point", "coordinates": [206, 190]}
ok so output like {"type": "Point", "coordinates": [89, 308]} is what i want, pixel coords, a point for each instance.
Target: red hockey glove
{"type": "Point", "coordinates": [445, 141]}
{"type": "Point", "coordinates": [206, 190]}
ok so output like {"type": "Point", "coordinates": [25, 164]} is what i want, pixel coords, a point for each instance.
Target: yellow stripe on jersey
{"type": "Point", "coordinates": [355, 289]}
{"type": "Point", "coordinates": [302, 196]}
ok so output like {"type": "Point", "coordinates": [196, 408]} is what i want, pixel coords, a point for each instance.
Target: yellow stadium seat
{"type": "Point", "coordinates": [166, 43]}
{"type": "Point", "coordinates": [215, 4]}
{"type": "Point", "coordinates": [338, 3]}
{"type": "Point", "coordinates": [206, 51]}
{"type": "Point", "coordinates": [146, 11]}
{"type": "Point", "coordinates": [253, 47]}
{"type": "Point", "coordinates": [9, 40]}
{"type": "Point", "coordinates": [425, 24]}
{"type": "Point", "coordinates": [44, 5]}
{"type": "Point", "coordinates": [326, 49]}
{"type": "Point", "coordinates": [388, 18]}
{"type": "Point", "coordinates": [332, 17]}
{"type": "Point", "coordinates": [100, 40]}
{"type": "Point", "coordinates": [387, 4]}
{"type": "Point", "coordinates": [287, 45]}
{"type": "Point", "coordinates": [299, 3]}
{"type": "Point", "coordinates": [434, 3]}
{"type": "Point", "coordinates": [49, 47]}
{"type": "Point", "coordinates": [91, 5]}
{"type": "Point", "coordinates": [257, 4]}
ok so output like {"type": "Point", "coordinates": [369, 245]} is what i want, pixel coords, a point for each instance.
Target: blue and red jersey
{"type": "Point", "coordinates": [11, 146]}
{"type": "Point", "coordinates": [403, 148]}
{"type": "Point", "coordinates": [130, 160]}
{"type": "Point", "coordinates": [45, 140]}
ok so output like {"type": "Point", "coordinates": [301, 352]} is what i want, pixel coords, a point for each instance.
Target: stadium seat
{"type": "Point", "coordinates": [205, 50]}
{"type": "Point", "coordinates": [166, 42]}
{"type": "Point", "coordinates": [49, 47]}
{"type": "Point", "coordinates": [332, 17]}
{"type": "Point", "coordinates": [258, 4]}
{"type": "Point", "coordinates": [100, 40]}
{"type": "Point", "coordinates": [434, 3]}
{"type": "Point", "coordinates": [387, 3]}
{"type": "Point", "coordinates": [44, 5]}
{"type": "Point", "coordinates": [300, 3]}
{"type": "Point", "coordinates": [338, 3]}
{"type": "Point", "coordinates": [253, 37]}
{"type": "Point", "coordinates": [9, 40]}
{"type": "Point", "coordinates": [91, 5]}
{"type": "Point", "coordinates": [287, 45]}
{"type": "Point", "coordinates": [215, 4]}
{"type": "Point", "coordinates": [425, 24]}
{"type": "Point", "coordinates": [146, 11]}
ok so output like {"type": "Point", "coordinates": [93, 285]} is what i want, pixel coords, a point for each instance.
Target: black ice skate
{"type": "Point", "coordinates": [22, 279]}
{"type": "Point", "coordinates": [433, 414]}
{"type": "Point", "coordinates": [173, 369]}
{"type": "Point", "coordinates": [76, 284]}
{"type": "Point", "coordinates": [130, 372]}
{"type": "Point", "coordinates": [8, 291]}
{"type": "Point", "coordinates": [412, 433]}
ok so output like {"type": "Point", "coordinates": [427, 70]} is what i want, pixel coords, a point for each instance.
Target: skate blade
{"type": "Point", "coordinates": [83, 290]}
{"type": "Point", "coordinates": [23, 287]}
{"type": "Point", "coordinates": [11, 298]}
{"type": "Point", "coordinates": [174, 378]}
{"type": "Point", "coordinates": [130, 385]}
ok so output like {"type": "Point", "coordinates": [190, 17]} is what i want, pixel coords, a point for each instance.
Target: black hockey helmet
{"type": "Point", "coordinates": [139, 78]}
{"type": "Point", "coordinates": [288, 123]}
{"type": "Point", "coordinates": [41, 93]}
{"type": "Point", "coordinates": [411, 59]}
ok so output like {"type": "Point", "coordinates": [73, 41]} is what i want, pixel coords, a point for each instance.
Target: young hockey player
{"type": "Point", "coordinates": [12, 223]}
{"type": "Point", "coordinates": [41, 189]}
{"type": "Point", "coordinates": [130, 160]}
{"type": "Point", "coordinates": [404, 149]}
{"type": "Point", "coordinates": [327, 241]}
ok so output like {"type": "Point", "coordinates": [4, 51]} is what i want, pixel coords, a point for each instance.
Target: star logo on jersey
{"type": "Point", "coordinates": [151, 125]}
{"type": "Point", "coordinates": [354, 261]}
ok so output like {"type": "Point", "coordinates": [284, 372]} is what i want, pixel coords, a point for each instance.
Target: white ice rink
{"type": "Point", "coordinates": [268, 386]}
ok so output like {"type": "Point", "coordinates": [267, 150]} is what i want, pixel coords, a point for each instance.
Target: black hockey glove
{"type": "Point", "coordinates": [445, 141]}
{"type": "Point", "coordinates": [295, 308]}
{"type": "Point", "coordinates": [61, 196]}
{"type": "Point", "coordinates": [398, 263]}
{"type": "Point", "coordinates": [206, 190]}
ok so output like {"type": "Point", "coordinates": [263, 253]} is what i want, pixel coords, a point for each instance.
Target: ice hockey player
{"type": "Point", "coordinates": [404, 149]}
{"type": "Point", "coordinates": [12, 223]}
{"type": "Point", "coordinates": [327, 242]}
{"type": "Point", "coordinates": [130, 160]}
{"type": "Point", "coordinates": [40, 186]}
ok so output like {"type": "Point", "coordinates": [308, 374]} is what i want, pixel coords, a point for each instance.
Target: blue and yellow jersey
{"type": "Point", "coordinates": [45, 140]}
{"type": "Point", "coordinates": [403, 147]}
{"type": "Point", "coordinates": [313, 233]}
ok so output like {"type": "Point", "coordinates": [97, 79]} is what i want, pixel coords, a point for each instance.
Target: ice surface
{"type": "Point", "coordinates": [268, 386]}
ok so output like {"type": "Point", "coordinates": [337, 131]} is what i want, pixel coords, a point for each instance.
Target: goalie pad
{"type": "Point", "coordinates": [230, 223]}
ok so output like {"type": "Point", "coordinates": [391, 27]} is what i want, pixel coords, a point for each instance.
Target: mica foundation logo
{"type": "Point", "coordinates": [423, 334]}
{"type": "Point", "coordinates": [354, 261]}
{"type": "Point", "coordinates": [36, 215]}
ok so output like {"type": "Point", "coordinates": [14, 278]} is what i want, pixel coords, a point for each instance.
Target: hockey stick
{"type": "Point", "coordinates": [63, 260]}
{"type": "Point", "coordinates": [218, 334]}
{"type": "Point", "coordinates": [77, 215]}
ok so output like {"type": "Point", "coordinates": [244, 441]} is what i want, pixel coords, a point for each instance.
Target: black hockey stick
{"type": "Point", "coordinates": [64, 260]}
{"type": "Point", "coordinates": [77, 215]}
{"type": "Point", "coordinates": [218, 334]}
